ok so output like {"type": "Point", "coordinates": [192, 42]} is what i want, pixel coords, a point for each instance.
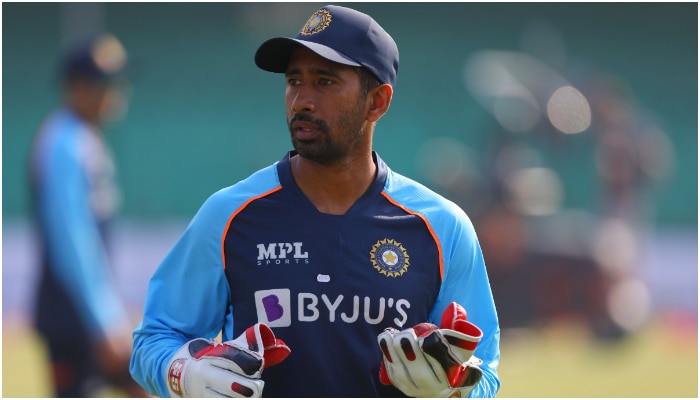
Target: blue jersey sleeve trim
{"type": "Point", "coordinates": [190, 275]}
{"type": "Point", "coordinates": [464, 274]}
{"type": "Point", "coordinates": [427, 224]}
{"type": "Point", "coordinates": [236, 212]}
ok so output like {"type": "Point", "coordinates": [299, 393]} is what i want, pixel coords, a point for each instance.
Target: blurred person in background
{"type": "Point", "coordinates": [79, 314]}
{"type": "Point", "coordinates": [548, 262]}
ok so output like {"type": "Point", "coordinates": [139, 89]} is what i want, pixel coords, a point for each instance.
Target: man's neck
{"type": "Point", "coordinates": [334, 189]}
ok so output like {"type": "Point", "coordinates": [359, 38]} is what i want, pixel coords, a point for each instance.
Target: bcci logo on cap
{"type": "Point", "coordinates": [389, 257]}
{"type": "Point", "coordinates": [318, 22]}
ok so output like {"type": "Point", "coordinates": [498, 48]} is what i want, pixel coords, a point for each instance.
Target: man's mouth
{"type": "Point", "coordinates": [303, 130]}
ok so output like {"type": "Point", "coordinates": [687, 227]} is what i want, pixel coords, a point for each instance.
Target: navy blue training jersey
{"type": "Point", "coordinates": [327, 285]}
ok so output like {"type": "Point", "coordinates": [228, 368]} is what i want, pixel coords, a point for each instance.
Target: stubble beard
{"type": "Point", "coordinates": [326, 149]}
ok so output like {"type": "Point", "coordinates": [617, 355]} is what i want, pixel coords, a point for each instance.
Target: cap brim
{"type": "Point", "coordinates": [274, 54]}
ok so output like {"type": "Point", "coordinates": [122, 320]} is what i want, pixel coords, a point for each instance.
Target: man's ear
{"type": "Point", "coordinates": [380, 99]}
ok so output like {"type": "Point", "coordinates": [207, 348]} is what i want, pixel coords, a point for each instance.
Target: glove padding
{"type": "Point", "coordinates": [427, 361]}
{"type": "Point", "coordinates": [206, 368]}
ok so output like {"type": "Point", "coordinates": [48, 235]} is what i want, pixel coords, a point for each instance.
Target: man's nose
{"type": "Point", "coordinates": [302, 102]}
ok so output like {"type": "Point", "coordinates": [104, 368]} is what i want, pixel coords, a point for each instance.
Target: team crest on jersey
{"type": "Point", "coordinates": [389, 257]}
{"type": "Point", "coordinates": [318, 22]}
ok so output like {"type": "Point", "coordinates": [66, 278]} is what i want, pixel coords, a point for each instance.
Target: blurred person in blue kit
{"type": "Point", "coordinates": [364, 275]}
{"type": "Point", "coordinates": [79, 314]}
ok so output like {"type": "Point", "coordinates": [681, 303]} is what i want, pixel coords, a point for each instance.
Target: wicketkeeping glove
{"type": "Point", "coordinates": [206, 368]}
{"type": "Point", "coordinates": [427, 361]}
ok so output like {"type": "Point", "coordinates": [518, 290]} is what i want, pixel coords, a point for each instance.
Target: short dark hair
{"type": "Point", "coordinates": [367, 80]}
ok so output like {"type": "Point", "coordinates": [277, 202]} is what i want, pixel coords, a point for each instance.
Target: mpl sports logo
{"type": "Point", "coordinates": [275, 308]}
{"type": "Point", "coordinates": [282, 253]}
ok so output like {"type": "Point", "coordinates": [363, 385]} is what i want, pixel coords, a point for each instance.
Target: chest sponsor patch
{"type": "Point", "coordinates": [278, 308]}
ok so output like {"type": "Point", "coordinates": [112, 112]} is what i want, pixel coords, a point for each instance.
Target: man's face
{"type": "Point", "coordinates": [325, 107]}
{"type": "Point", "coordinates": [114, 102]}
{"type": "Point", "coordinates": [100, 102]}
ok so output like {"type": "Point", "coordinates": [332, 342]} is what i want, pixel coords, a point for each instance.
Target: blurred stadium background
{"type": "Point", "coordinates": [568, 131]}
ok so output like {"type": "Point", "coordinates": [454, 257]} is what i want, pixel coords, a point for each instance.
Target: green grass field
{"type": "Point", "coordinates": [564, 362]}
{"type": "Point", "coordinates": [558, 361]}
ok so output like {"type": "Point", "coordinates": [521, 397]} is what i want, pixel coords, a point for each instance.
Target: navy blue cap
{"type": "Point", "coordinates": [100, 58]}
{"type": "Point", "coordinates": [339, 34]}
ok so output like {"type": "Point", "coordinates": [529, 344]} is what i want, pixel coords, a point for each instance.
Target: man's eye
{"type": "Point", "coordinates": [325, 81]}
{"type": "Point", "coordinates": [292, 81]}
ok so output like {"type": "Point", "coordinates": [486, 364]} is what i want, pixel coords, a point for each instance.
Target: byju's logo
{"type": "Point", "coordinates": [282, 253]}
{"type": "Point", "coordinates": [273, 307]}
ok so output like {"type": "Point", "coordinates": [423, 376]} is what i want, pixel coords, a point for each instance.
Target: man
{"type": "Point", "coordinates": [78, 312]}
{"type": "Point", "coordinates": [344, 259]}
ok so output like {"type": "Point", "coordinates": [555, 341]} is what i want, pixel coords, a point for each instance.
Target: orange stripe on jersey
{"type": "Point", "coordinates": [427, 224]}
{"type": "Point", "coordinates": [233, 215]}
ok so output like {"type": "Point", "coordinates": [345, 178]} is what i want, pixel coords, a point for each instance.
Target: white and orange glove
{"type": "Point", "coordinates": [206, 368]}
{"type": "Point", "coordinates": [431, 361]}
